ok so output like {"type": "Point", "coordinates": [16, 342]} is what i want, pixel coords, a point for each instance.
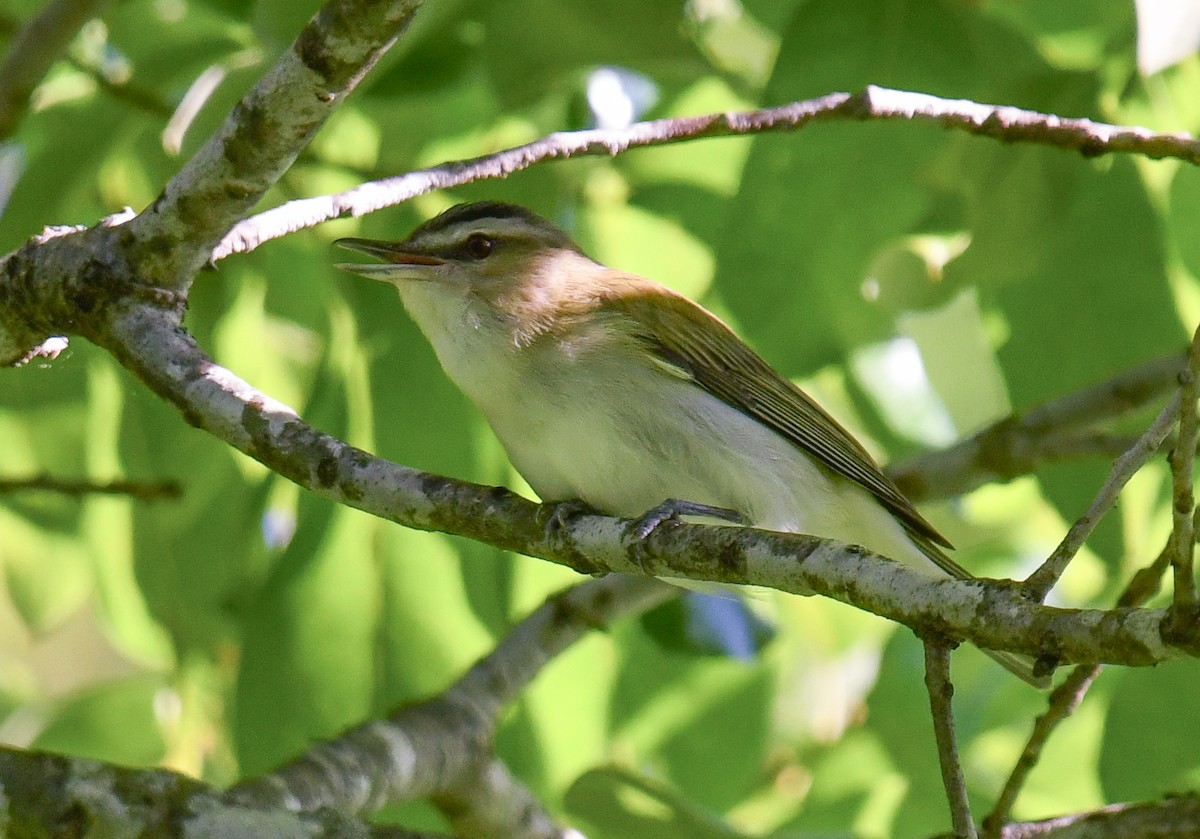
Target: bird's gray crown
{"type": "Point", "coordinates": [495, 218]}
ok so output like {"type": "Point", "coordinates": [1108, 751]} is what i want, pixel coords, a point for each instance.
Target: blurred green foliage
{"type": "Point", "coordinates": [221, 633]}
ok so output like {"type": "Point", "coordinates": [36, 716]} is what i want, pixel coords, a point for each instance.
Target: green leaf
{"type": "Point", "coordinates": [117, 722]}
{"type": "Point", "coordinates": [618, 803]}
{"type": "Point", "coordinates": [1149, 743]}
{"type": "Point", "coordinates": [560, 725]}
{"type": "Point", "coordinates": [853, 782]}
{"type": "Point", "coordinates": [58, 185]}
{"type": "Point", "coordinates": [572, 37]}
{"type": "Point", "coordinates": [193, 557]}
{"type": "Point", "coordinates": [307, 668]}
{"type": "Point", "coordinates": [817, 209]}
{"type": "Point", "coordinates": [278, 21]}
{"type": "Point", "coordinates": [168, 45]}
{"type": "Point", "coordinates": [1183, 213]}
{"type": "Point", "coordinates": [1069, 254]}
{"type": "Point", "coordinates": [47, 575]}
{"type": "Point", "coordinates": [692, 714]}
{"type": "Point", "coordinates": [429, 634]}
{"type": "Point", "coordinates": [987, 701]}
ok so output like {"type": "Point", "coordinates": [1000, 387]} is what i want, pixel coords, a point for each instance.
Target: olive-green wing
{"type": "Point", "coordinates": [696, 342]}
{"type": "Point", "coordinates": [697, 345]}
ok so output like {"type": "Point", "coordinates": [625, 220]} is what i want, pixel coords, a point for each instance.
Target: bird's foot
{"type": "Point", "coordinates": [556, 521]}
{"type": "Point", "coordinates": [673, 508]}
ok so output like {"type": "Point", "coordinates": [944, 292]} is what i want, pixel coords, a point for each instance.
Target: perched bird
{"type": "Point", "coordinates": [612, 389]}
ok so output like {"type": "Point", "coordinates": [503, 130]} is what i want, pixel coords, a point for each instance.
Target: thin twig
{"type": "Point", "coordinates": [941, 691]}
{"type": "Point", "coordinates": [78, 487]}
{"type": "Point", "coordinates": [1067, 697]}
{"type": "Point", "coordinates": [1059, 429]}
{"type": "Point", "coordinates": [1039, 583]}
{"type": "Point", "coordinates": [1062, 703]}
{"type": "Point", "coordinates": [873, 103]}
{"type": "Point", "coordinates": [1183, 461]}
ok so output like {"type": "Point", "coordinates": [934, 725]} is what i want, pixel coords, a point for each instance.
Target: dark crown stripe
{"type": "Point", "coordinates": [459, 219]}
{"type": "Point", "coordinates": [462, 213]}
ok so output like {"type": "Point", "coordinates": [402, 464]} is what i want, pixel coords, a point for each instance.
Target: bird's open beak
{"type": "Point", "coordinates": [397, 264]}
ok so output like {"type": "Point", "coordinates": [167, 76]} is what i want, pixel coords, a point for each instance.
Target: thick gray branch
{"type": "Point", "coordinates": [990, 614]}
{"type": "Point", "coordinates": [489, 802]}
{"type": "Point", "coordinates": [54, 795]}
{"type": "Point", "coordinates": [1178, 816]}
{"type": "Point", "coordinates": [442, 747]}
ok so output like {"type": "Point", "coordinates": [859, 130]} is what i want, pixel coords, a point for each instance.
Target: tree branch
{"type": "Point", "coordinates": [1039, 583]}
{"type": "Point", "coordinates": [439, 748]}
{"type": "Point", "coordinates": [1024, 441]}
{"type": "Point", "coordinates": [141, 490]}
{"type": "Point", "coordinates": [34, 50]}
{"type": "Point", "coordinates": [1177, 816]}
{"type": "Point", "coordinates": [489, 802]}
{"type": "Point", "coordinates": [442, 747]}
{"type": "Point", "coordinates": [1068, 696]}
{"type": "Point", "coordinates": [82, 797]}
{"type": "Point", "coordinates": [873, 103]}
{"type": "Point", "coordinates": [1062, 703]}
{"type": "Point", "coordinates": [172, 238]}
{"type": "Point", "coordinates": [1183, 508]}
{"type": "Point", "coordinates": [989, 614]}
{"type": "Point", "coordinates": [941, 691]}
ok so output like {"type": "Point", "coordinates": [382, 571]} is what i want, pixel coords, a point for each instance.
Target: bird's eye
{"type": "Point", "coordinates": [479, 246]}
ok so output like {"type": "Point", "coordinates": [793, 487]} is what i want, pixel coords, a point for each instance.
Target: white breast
{"type": "Point", "coordinates": [588, 423]}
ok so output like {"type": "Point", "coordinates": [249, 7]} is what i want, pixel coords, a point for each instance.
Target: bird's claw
{"type": "Point", "coordinates": [673, 508]}
{"type": "Point", "coordinates": [557, 517]}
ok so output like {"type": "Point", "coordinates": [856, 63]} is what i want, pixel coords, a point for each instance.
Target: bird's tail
{"type": "Point", "coordinates": [1020, 666]}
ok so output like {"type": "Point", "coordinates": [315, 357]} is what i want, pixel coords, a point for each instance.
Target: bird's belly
{"type": "Point", "coordinates": [621, 452]}
{"type": "Point", "coordinates": [626, 452]}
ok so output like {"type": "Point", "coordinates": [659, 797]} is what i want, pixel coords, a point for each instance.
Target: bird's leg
{"type": "Point", "coordinates": [673, 508]}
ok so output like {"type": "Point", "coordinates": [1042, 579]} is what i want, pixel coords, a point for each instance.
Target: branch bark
{"type": "Point", "coordinates": [872, 103]}
{"type": "Point", "coordinates": [439, 748]}
{"type": "Point", "coordinates": [941, 692]}
{"type": "Point", "coordinates": [172, 238]}
{"type": "Point", "coordinates": [55, 795]}
{"type": "Point", "coordinates": [1178, 816]}
{"type": "Point", "coordinates": [990, 614]}
{"type": "Point", "coordinates": [435, 747]}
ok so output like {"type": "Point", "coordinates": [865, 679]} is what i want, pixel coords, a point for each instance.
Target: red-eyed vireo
{"type": "Point", "coordinates": [614, 390]}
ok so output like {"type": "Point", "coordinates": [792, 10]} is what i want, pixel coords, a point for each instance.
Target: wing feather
{"type": "Point", "coordinates": [688, 337]}
{"type": "Point", "coordinates": [693, 343]}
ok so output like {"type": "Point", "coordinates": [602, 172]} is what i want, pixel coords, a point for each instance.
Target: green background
{"type": "Point", "coordinates": [190, 634]}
